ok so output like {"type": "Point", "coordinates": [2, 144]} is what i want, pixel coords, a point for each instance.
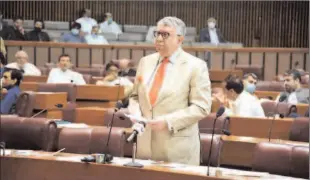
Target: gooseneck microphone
{"type": "Point", "coordinates": [135, 132]}
{"type": "Point", "coordinates": [43, 110]}
{"type": "Point", "coordinates": [281, 99]}
{"type": "Point", "coordinates": [219, 113]}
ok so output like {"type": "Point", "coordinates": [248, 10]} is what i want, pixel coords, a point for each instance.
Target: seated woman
{"type": "Point", "coordinates": [112, 78]}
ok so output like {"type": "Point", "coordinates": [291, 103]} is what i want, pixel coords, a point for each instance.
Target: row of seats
{"type": "Point", "coordinates": [43, 134]}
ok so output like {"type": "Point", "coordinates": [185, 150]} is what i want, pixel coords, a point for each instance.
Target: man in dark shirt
{"type": "Point", "coordinates": [10, 90]}
{"type": "Point", "coordinates": [37, 34]}
{"type": "Point", "coordinates": [15, 32]}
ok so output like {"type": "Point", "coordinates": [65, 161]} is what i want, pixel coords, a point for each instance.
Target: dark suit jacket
{"type": "Point", "coordinates": [10, 33]}
{"type": "Point", "coordinates": [205, 35]}
{"type": "Point", "coordinates": [131, 72]}
{"type": "Point", "coordinates": [37, 36]}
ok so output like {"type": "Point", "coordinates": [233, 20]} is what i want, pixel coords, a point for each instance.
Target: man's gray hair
{"type": "Point", "coordinates": [175, 22]}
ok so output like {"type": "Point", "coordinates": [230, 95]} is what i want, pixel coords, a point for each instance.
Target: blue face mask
{"type": "Point", "coordinates": [75, 31]}
{"type": "Point", "coordinates": [110, 20]}
{"type": "Point", "coordinates": [250, 88]}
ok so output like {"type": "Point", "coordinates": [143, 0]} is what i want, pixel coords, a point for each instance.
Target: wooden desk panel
{"type": "Point", "coordinates": [220, 75]}
{"type": "Point", "coordinates": [42, 79]}
{"type": "Point", "coordinates": [302, 109]}
{"type": "Point", "coordinates": [94, 92]}
{"type": "Point", "coordinates": [266, 94]}
{"type": "Point", "coordinates": [259, 127]}
{"type": "Point", "coordinates": [90, 116]}
{"type": "Point", "coordinates": [48, 100]}
{"type": "Point", "coordinates": [100, 104]}
{"type": "Point", "coordinates": [29, 86]}
{"type": "Point", "coordinates": [238, 150]}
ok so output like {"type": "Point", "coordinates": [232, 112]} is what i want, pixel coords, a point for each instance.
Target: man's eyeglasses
{"type": "Point", "coordinates": [5, 77]}
{"type": "Point", "coordinates": [165, 35]}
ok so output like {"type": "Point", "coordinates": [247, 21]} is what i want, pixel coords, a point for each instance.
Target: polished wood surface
{"type": "Point", "coordinates": [238, 150]}
{"type": "Point", "coordinates": [259, 127]}
{"type": "Point", "coordinates": [266, 94]}
{"type": "Point", "coordinates": [95, 92]}
{"type": "Point", "coordinates": [42, 79]}
{"type": "Point", "coordinates": [302, 109]}
{"type": "Point", "coordinates": [48, 100]}
{"type": "Point", "coordinates": [29, 86]}
{"type": "Point", "coordinates": [242, 21]}
{"type": "Point", "coordinates": [91, 116]}
{"type": "Point", "coordinates": [273, 60]}
{"type": "Point", "coordinates": [220, 75]}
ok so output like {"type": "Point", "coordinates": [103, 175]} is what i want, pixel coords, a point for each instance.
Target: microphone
{"type": "Point", "coordinates": [136, 131]}
{"type": "Point", "coordinates": [281, 99]}
{"type": "Point", "coordinates": [43, 110]}
{"type": "Point", "coordinates": [219, 113]}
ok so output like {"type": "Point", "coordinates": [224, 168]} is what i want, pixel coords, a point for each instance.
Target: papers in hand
{"type": "Point", "coordinates": [135, 119]}
{"type": "Point", "coordinates": [72, 125]}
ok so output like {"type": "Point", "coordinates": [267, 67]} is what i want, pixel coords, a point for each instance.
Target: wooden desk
{"type": "Point", "coordinates": [266, 94]}
{"type": "Point", "coordinates": [238, 150]}
{"type": "Point", "coordinates": [218, 75]}
{"type": "Point", "coordinates": [29, 86]}
{"type": "Point", "coordinates": [42, 165]}
{"type": "Point", "coordinates": [259, 127]}
{"type": "Point", "coordinates": [48, 100]}
{"type": "Point", "coordinates": [99, 96]}
{"type": "Point", "coordinates": [91, 116]}
{"type": "Point", "coordinates": [302, 109]}
{"type": "Point", "coordinates": [42, 79]}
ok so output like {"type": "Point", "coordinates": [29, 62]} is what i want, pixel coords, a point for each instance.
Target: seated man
{"type": "Point", "coordinates": [112, 78]}
{"type": "Point", "coordinates": [294, 92]}
{"type": "Point", "coordinates": [240, 103]}
{"type": "Point", "coordinates": [22, 64]}
{"type": "Point", "coordinates": [95, 38]}
{"type": "Point", "coordinates": [37, 34]}
{"type": "Point", "coordinates": [75, 36]}
{"type": "Point", "coordinates": [10, 90]}
{"type": "Point", "coordinates": [86, 21]}
{"type": "Point", "coordinates": [249, 82]}
{"type": "Point", "coordinates": [211, 34]}
{"type": "Point", "coordinates": [63, 74]}
{"type": "Point", "coordinates": [125, 69]}
{"type": "Point", "coordinates": [2, 63]}
{"type": "Point", "coordinates": [109, 26]}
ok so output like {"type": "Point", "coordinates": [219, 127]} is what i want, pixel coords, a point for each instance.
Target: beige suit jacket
{"type": "Point", "coordinates": [184, 99]}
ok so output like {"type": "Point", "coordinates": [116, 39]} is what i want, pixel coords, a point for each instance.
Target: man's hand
{"type": "Point", "coordinates": [158, 125]}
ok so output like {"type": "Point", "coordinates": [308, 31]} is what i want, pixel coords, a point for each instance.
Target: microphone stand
{"type": "Point", "coordinates": [134, 150]}
{"type": "Point", "coordinates": [281, 99]}
{"type": "Point", "coordinates": [110, 125]}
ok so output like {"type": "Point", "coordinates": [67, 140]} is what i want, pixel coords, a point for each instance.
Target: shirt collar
{"type": "Point", "coordinates": [173, 57]}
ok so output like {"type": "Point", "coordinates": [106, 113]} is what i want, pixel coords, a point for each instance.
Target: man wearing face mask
{"type": "Point", "coordinates": [293, 90]}
{"type": "Point", "coordinates": [10, 81]}
{"type": "Point", "coordinates": [87, 23]}
{"type": "Point", "coordinates": [250, 81]}
{"type": "Point", "coordinates": [63, 74]}
{"type": "Point", "coordinates": [37, 34]}
{"type": "Point", "coordinates": [211, 34]}
{"type": "Point", "coordinates": [95, 38]}
{"type": "Point", "coordinates": [240, 103]}
{"type": "Point", "coordinates": [109, 26]}
{"type": "Point", "coordinates": [75, 36]}
{"type": "Point", "coordinates": [15, 32]}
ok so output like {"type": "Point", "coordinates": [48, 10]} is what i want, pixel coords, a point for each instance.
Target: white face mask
{"type": "Point", "coordinates": [211, 25]}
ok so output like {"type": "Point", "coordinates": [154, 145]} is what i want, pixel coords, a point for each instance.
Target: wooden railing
{"type": "Point", "coordinates": [272, 60]}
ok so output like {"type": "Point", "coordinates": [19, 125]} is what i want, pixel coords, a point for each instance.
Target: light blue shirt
{"type": "Point", "coordinates": [95, 39]}
{"type": "Point", "coordinates": [213, 36]}
{"type": "Point", "coordinates": [9, 100]}
{"type": "Point", "coordinates": [70, 38]}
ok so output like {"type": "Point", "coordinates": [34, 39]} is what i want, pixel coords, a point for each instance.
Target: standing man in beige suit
{"type": "Point", "coordinates": [172, 92]}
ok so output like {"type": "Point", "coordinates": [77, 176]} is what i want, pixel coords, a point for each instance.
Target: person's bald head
{"type": "Point", "coordinates": [124, 63]}
{"type": "Point", "coordinates": [21, 58]}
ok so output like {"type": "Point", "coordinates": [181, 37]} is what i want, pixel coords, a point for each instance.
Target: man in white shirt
{"type": "Point", "coordinates": [109, 26]}
{"type": "Point", "coordinates": [95, 38]}
{"type": "Point", "coordinates": [241, 102]}
{"type": "Point", "coordinates": [86, 21]}
{"type": "Point", "coordinates": [294, 92]}
{"type": "Point", "coordinates": [22, 64]}
{"type": "Point", "coordinates": [62, 74]}
{"type": "Point", "coordinates": [211, 34]}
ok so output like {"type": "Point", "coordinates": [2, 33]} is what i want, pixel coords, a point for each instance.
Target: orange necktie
{"type": "Point", "coordinates": [158, 81]}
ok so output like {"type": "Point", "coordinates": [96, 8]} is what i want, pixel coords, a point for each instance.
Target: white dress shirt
{"type": "Point", "coordinates": [112, 28]}
{"type": "Point", "coordinates": [95, 39]}
{"type": "Point", "coordinates": [123, 81]}
{"type": "Point", "coordinates": [213, 36]}
{"type": "Point", "coordinates": [246, 105]}
{"type": "Point", "coordinates": [86, 24]}
{"type": "Point", "coordinates": [58, 76]}
{"type": "Point", "coordinates": [29, 69]}
{"type": "Point", "coordinates": [150, 34]}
